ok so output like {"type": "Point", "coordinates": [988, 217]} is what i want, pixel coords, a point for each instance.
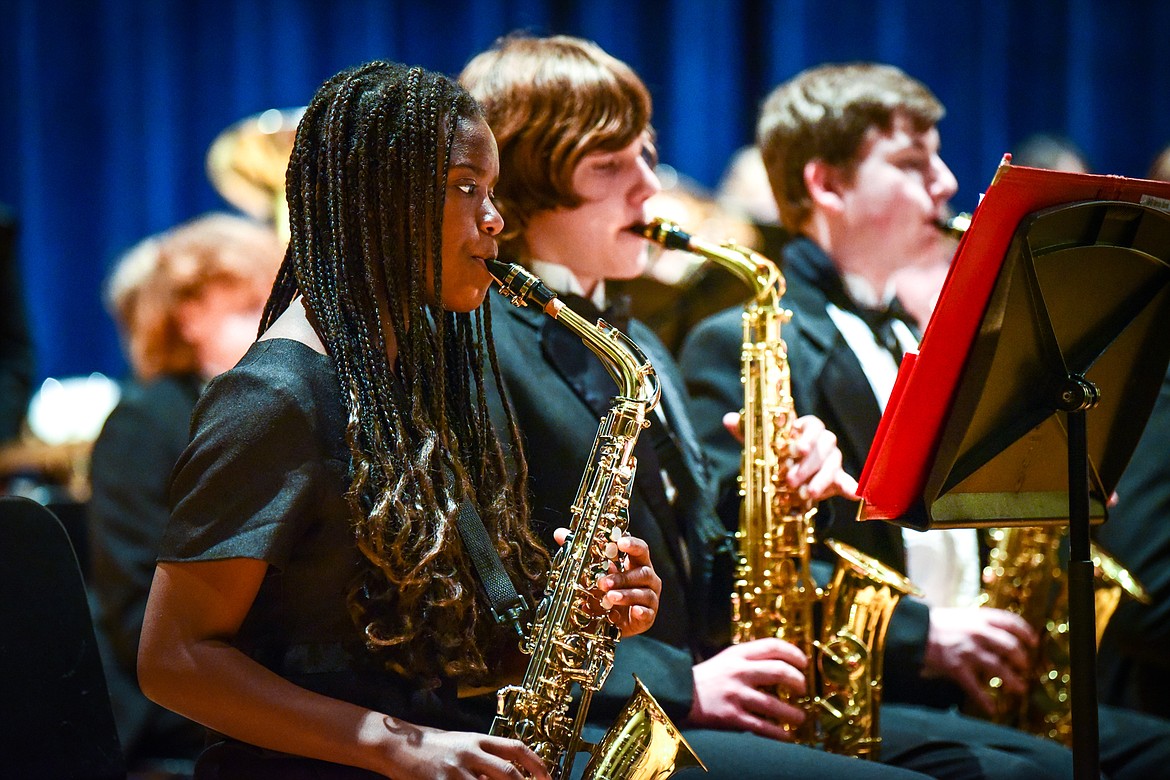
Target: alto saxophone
{"type": "Point", "coordinates": [571, 641]}
{"type": "Point", "coordinates": [1024, 575]}
{"type": "Point", "coordinates": [775, 594]}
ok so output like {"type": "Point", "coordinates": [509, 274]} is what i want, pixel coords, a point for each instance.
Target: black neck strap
{"type": "Point", "coordinates": [508, 606]}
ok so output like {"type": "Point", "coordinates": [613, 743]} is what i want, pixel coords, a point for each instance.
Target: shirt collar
{"type": "Point", "coordinates": [561, 279]}
{"type": "Point", "coordinates": [861, 291]}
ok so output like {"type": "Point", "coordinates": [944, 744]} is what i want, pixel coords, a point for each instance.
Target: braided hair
{"type": "Point", "coordinates": [366, 183]}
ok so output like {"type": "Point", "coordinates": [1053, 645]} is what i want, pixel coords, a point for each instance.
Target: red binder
{"type": "Point", "coordinates": [904, 473]}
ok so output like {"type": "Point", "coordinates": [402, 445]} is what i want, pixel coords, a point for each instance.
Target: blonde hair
{"type": "Point", "coordinates": [549, 102]}
{"type": "Point", "coordinates": [824, 114]}
{"type": "Point", "coordinates": [154, 277]}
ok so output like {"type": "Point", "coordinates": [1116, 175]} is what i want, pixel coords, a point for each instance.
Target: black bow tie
{"type": "Point", "coordinates": [881, 323]}
{"type": "Point", "coordinates": [881, 317]}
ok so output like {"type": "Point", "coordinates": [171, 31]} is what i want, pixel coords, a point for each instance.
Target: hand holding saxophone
{"type": "Point", "coordinates": [972, 645]}
{"type": "Point", "coordinates": [629, 592]}
{"type": "Point", "coordinates": [735, 689]}
{"type": "Point", "coordinates": [817, 462]}
{"type": "Point", "coordinates": [816, 465]}
{"type": "Point", "coordinates": [789, 464]}
{"type": "Point", "coordinates": [428, 752]}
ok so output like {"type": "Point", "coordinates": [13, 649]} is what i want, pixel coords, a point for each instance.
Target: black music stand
{"type": "Point", "coordinates": [1074, 330]}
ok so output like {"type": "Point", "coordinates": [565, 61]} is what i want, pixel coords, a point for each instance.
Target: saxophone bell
{"type": "Point", "coordinates": [647, 745]}
{"type": "Point", "coordinates": [856, 606]}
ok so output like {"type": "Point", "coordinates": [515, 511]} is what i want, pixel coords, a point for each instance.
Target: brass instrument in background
{"type": "Point", "coordinates": [571, 641]}
{"type": "Point", "coordinates": [775, 594]}
{"type": "Point", "coordinates": [247, 162]}
{"type": "Point", "coordinates": [1024, 575]}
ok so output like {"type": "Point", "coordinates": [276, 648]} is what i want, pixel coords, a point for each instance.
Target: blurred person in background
{"type": "Point", "coordinates": [1054, 152]}
{"type": "Point", "coordinates": [744, 189]}
{"type": "Point", "coordinates": [1133, 661]}
{"type": "Point", "coordinates": [16, 352]}
{"type": "Point", "coordinates": [187, 303]}
{"type": "Point", "coordinates": [1160, 168]}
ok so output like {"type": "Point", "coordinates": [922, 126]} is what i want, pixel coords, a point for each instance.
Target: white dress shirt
{"type": "Point", "coordinates": [943, 562]}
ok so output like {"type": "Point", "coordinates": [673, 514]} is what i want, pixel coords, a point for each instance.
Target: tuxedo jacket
{"type": "Point", "coordinates": [559, 392]}
{"type": "Point", "coordinates": [1134, 658]}
{"type": "Point", "coordinates": [828, 381]}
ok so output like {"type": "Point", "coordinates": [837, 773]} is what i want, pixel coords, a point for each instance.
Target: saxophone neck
{"type": "Point", "coordinates": [622, 358]}
{"type": "Point", "coordinates": [759, 273]}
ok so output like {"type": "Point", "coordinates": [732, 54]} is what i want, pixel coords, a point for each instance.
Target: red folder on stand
{"type": "Point", "coordinates": [968, 437]}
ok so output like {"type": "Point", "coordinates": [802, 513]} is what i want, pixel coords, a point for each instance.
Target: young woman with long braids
{"type": "Point", "coordinates": [312, 601]}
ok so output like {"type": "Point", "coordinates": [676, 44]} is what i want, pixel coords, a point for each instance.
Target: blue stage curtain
{"type": "Point", "coordinates": [107, 107]}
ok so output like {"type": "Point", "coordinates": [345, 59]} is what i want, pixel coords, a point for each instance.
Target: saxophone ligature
{"type": "Point", "coordinates": [775, 594]}
{"type": "Point", "coordinates": [571, 640]}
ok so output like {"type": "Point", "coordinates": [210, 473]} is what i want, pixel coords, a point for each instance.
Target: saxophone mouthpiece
{"type": "Point", "coordinates": [518, 285]}
{"type": "Point", "coordinates": [498, 269]}
{"type": "Point", "coordinates": [955, 226]}
{"type": "Point", "coordinates": [665, 233]}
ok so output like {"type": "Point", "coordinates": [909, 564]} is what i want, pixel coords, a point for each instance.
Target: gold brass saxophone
{"type": "Point", "coordinates": [1024, 575]}
{"type": "Point", "coordinates": [775, 594]}
{"type": "Point", "coordinates": [571, 641]}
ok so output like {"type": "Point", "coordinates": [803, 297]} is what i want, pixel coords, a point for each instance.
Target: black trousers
{"type": "Point", "coordinates": [232, 760]}
{"type": "Point", "coordinates": [945, 744]}
{"type": "Point", "coordinates": [734, 755]}
{"type": "Point", "coordinates": [916, 742]}
{"type": "Point", "coordinates": [1133, 746]}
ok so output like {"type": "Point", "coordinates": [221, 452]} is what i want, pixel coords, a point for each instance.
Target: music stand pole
{"type": "Point", "coordinates": [1078, 396]}
{"type": "Point", "coordinates": [966, 436]}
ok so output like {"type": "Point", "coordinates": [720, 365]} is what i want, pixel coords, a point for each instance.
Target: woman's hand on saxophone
{"type": "Point", "coordinates": [428, 752]}
{"type": "Point", "coordinates": [629, 592]}
{"type": "Point", "coordinates": [816, 458]}
{"type": "Point", "coordinates": [972, 645]}
{"type": "Point", "coordinates": [736, 689]}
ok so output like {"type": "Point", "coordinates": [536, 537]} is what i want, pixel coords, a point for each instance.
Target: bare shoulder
{"type": "Point", "coordinates": [294, 324]}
